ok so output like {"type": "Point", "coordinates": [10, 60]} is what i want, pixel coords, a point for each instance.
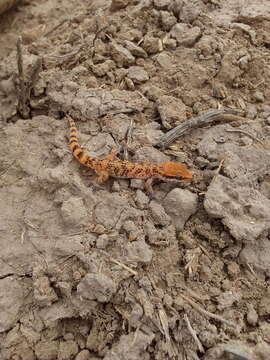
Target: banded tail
{"type": "Point", "coordinates": [75, 147]}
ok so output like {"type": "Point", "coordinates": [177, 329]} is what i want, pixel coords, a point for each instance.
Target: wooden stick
{"type": "Point", "coordinates": [193, 334]}
{"type": "Point", "coordinates": [207, 313]}
{"type": "Point", "coordinates": [225, 114]}
{"type": "Point", "coordinates": [247, 134]}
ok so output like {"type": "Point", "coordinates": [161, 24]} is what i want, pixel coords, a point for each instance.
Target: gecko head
{"type": "Point", "coordinates": [171, 169]}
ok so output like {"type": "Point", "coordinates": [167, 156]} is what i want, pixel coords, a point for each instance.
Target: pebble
{"type": "Point", "coordinates": [252, 315]}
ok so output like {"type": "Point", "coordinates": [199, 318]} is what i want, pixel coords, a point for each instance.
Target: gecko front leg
{"type": "Point", "coordinates": [148, 187]}
{"type": "Point", "coordinates": [112, 155]}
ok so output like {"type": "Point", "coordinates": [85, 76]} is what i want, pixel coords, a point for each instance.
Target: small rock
{"type": "Point", "coordinates": [265, 188]}
{"type": "Point", "coordinates": [97, 287]}
{"type": "Point", "coordinates": [74, 213]}
{"type": "Point", "coordinates": [251, 111]}
{"type": "Point", "coordinates": [151, 133]}
{"type": "Point", "coordinates": [165, 61]}
{"type": "Point", "coordinates": [135, 49]}
{"type": "Point", "coordinates": [168, 301]}
{"type": "Point", "coordinates": [170, 43]}
{"type": "Point", "coordinates": [121, 55]}
{"type": "Point", "coordinates": [11, 300]}
{"type": "Point", "coordinates": [67, 350]}
{"type": "Point", "coordinates": [152, 45]}
{"type": "Point", "coordinates": [226, 299]}
{"type": "Point", "coordinates": [264, 305]}
{"type": "Point", "coordinates": [185, 35]}
{"type": "Point", "coordinates": [153, 92]}
{"type": "Point", "coordinates": [252, 316]}
{"type": "Point", "coordinates": [141, 199]}
{"type": "Point", "coordinates": [246, 216]}
{"type": "Point", "coordinates": [258, 96]}
{"type": "Point", "coordinates": [252, 12]}
{"type": "Point", "coordinates": [206, 46]}
{"type": "Point", "coordinates": [47, 350]}
{"type": "Point", "coordinates": [171, 110]}
{"type": "Point", "coordinates": [83, 355]}
{"type": "Point", "coordinates": [119, 4]}
{"type": "Point", "coordinates": [161, 4]}
{"type": "Point", "coordinates": [103, 68]}
{"type": "Point", "coordinates": [116, 125]}
{"type": "Point", "coordinates": [139, 251]}
{"type": "Point", "coordinates": [102, 241]}
{"type": "Point", "coordinates": [202, 162]}
{"type": "Point", "coordinates": [99, 229]}
{"type": "Point", "coordinates": [167, 20]}
{"type": "Point", "coordinates": [56, 312]}
{"type": "Point", "coordinates": [44, 294]}
{"type": "Point", "coordinates": [191, 10]}
{"type": "Point", "coordinates": [131, 346]}
{"type": "Point", "coordinates": [137, 74]}
{"type": "Point", "coordinates": [149, 154]}
{"type": "Point", "coordinates": [136, 315]}
{"type": "Point", "coordinates": [233, 270]}
{"type": "Point", "coordinates": [265, 331]}
{"type": "Point", "coordinates": [111, 207]}
{"type": "Point", "coordinates": [129, 226]}
{"type": "Point", "coordinates": [206, 273]}
{"type": "Point", "coordinates": [262, 350]}
{"type": "Point", "coordinates": [209, 338]}
{"type": "Point", "coordinates": [180, 205]}
{"type": "Point", "coordinates": [187, 240]}
{"type": "Point", "coordinates": [158, 214]}
{"type": "Point", "coordinates": [175, 7]}
{"type": "Point", "coordinates": [65, 288]}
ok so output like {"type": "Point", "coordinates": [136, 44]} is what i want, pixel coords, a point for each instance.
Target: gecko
{"type": "Point", "coordinates": [111, 166]}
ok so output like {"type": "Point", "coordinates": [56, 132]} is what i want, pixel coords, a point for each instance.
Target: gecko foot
{"type": "Point", "coordinates": [148, 188]}
{"type": "Point", "coordinates": [102, 177]}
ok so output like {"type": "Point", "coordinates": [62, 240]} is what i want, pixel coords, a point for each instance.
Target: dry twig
{"type": "Point", "coordinates": [133, 272]}
{"type": "Point", "coordinates": [128, 139]}
{"type": "Point", "coordinates": [56, 27]}
{"type": "Point", "coordinates": [207, 313]}
{"type": "Point", "coordinates": [25, 85]}
{"type": "Point", "coordinates": [193, 334]}
{"type": "Point", "coordinates": [225, 114]}
{"type": "Point", "coordinates": [247, 134]}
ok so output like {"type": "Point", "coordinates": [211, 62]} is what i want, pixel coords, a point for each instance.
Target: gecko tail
{"type": "Point", "coordinates": [74, 145]}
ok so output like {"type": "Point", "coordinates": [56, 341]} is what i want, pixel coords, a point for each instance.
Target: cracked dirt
{"type": "Point", "coordinates": [107, 272]}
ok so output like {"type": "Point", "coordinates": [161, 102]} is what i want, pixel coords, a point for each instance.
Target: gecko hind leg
{"type": "Point", "coordinates": [102, 177]}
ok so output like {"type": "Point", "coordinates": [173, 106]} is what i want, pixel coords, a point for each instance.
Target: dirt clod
{"type": "Point", "coordinates": [180, 205]}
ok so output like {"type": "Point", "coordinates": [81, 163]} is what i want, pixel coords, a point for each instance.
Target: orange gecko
{"type": "Point", "coordinates": [110, 165]}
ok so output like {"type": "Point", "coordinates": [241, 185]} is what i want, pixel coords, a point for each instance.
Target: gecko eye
{"type": "Point", "coordinates": [175, 170]}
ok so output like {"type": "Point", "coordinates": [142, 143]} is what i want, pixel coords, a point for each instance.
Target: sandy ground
{"type": "Point", "coordinates": [108, 272]}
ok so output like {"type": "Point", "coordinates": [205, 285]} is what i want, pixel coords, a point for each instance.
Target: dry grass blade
{"type": "Point", "coordinates": [165, 326]}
